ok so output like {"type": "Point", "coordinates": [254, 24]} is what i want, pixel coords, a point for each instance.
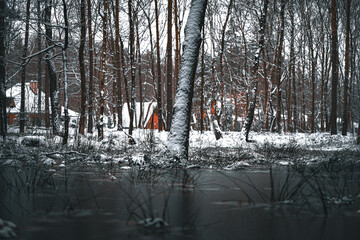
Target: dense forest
{"type": "Point", "coordinates": [271, 65]}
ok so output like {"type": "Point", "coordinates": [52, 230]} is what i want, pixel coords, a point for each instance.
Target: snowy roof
{"type": "Point", "coordinates": [31, 99]}
{"type": "Point", "coordinates": [148, 109]}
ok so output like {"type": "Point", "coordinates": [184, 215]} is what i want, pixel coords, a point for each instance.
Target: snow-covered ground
{"type": "Point", "coordinates": [230, 152]}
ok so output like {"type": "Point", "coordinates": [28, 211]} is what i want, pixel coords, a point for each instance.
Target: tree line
{"type": "Point", "coordinates": [264, 65]}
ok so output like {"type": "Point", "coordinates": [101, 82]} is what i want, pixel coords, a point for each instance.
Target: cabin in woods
{"type": "Point", "coordinates": [13, 101]}
{"type": "Point", "coordinates": [150, 115]}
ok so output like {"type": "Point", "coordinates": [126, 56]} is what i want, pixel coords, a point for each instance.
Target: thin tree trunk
{"type": "Point", "coordinates": [82, 122]}
{"type": "Point", "coordinates": [334, 62]}
{"type": "Point", "coordinates": [100, 123]}
{"type": "Point", "coordinates": [159, 90]}
{"type": "Point", "coordinates": [3, 121]}
{"type": "Point", "coordinates": [54, 93]}
{"type": "Point", "coordinates": [291, 72]}
{"type": "Point", "coordinates": [313, 60]}
{"type": "Point", "coordinates": [250, 115]}
{"type": "Point", "coordinates": [66, 97]}
{"type": "Point", "coordinates": [178, 140]}
{"type": "Point", "coordinates": [177, 43]}
{"type": "Point", "coordinates": [39, 73]}
{"type": "Point", "coordinates": [23, 72]}
{"type": "Point", "coordinates": [169, 66]}
{"type": "Point", "coordinates": [91, 71]}
{"type": "Point", "coordinates": [202, 101]}
{"type": "Point", "coordinates": [222, 48]}
{"type": "Point", "coordinates": [279, 65]}
{"type": "Point", "coordinates": [132, 70]}
{"type": "Point", "coordinates": [152, 61]}
{"type": "Point", "coordinates": [119, 103]}
{"type": "Point", "coordinates": [141, 99]}
{"type": "Point", "coordinates": [347, 67]}
{"type": "Point", "coordinates": [322, 93]}
{"type": "Point", "coordinates": [124, 74]}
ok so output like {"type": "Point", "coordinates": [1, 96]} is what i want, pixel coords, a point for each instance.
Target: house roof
{"type": "Point", "coordinates": [31, 99]}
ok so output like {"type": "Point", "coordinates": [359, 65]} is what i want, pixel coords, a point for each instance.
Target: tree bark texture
{"type": "Point", "coordinates": [3, 119]}
{"type": "Point", "coordinates": [169, 67]}
{"type": "Point", "coordinates": [178, 140]}
{"type": "Point", "coordinates": [347, 67]}
{"type": "Point", "coordinates": [251, 110]}
{"type": "Point", "coordinates": [90, 125]}
{"type": "Point", "coordinates": [23, 72]}
{"type": "Point", "coordinates": [334, 72]}
{"type": "Point", "coordinates": [159, 89]}
{"type": "Point", "coordinates": [132, 71]}
{"type": "Point", "coordinates": [54, 92]}
{"type": "Point", "coordinates": [82, 122]}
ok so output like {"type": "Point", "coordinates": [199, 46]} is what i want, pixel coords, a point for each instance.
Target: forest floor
{"type": "Point", "coordinates": [230, 152]}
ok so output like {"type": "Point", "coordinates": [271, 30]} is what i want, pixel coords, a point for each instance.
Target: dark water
{"type": "Point", "coordinates": [83, 203]}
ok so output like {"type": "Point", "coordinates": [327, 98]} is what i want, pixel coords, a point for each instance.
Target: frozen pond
{"type": "Point", "coordinates": [97, 202]}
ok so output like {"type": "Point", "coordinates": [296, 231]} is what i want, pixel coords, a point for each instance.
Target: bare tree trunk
{"type": "Point", "coordinates": [100, 123]}
{"type": "Point", "coordinates": [66, 97]}
{"type": "Point", "coordinates": [279, 65]}
{"type": "Point", "coordinates": [313, 60]}
{"type": "Point", "coordinates": [347, 67]}
{"type": "Point", "coordinates": [39, 73]}
{"type": "Point", "coordinates": [3, 119]}
{"type": "Point", "coordinates": [119, 103]}
{"type": "Point", "coordinates": [358, 135]}
{"type": "Point", "coordinates": [141, 99]}
{"type": "Point", "coordinates": [132, 70]}
{"type": "Point", "coordinates": [334, 63]}
{"type": "Point", "coordinates": [159, 90]}
{"type": "Point", "coordinates": [152, 67]}
{"type": "Point", "coordinates": [322, 93]}
{"type": "Point", "coordinates": [202, 102]}
{"type": "Point", "coordinates": [291, 82]}
{"type": "Point", "coordinates": [169, 66]}
{"type": "Point", "coordinates": [124, 74]}
{"type": "Point", "coordinates": [222, 48]}
{"type": "Point", "coordinates": [54, 92]}
{"type": "Point", "coordinates": [250, 115]}
{"type": "Point", "coordinates": [178, 140]}
{"type": "Point", "coordinates": [91, 71]}
{"type": "Point", "coordinates": [23, 72]}
{"type": "Point", "coordinates": [82, 122]}
{"type": "Point", "coordinates": [177, 43]}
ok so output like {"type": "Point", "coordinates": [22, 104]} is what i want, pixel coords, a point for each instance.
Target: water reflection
{"type": "Point", "coordinates": [82, 202]}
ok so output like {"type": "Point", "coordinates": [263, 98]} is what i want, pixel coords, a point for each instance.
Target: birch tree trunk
{"type": "Point", "coordinates": [178, 140]}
